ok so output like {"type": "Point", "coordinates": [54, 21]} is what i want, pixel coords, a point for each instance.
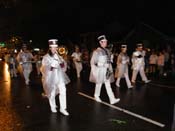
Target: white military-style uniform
{"type": "Point", "coordinates": [122, 69]}
{"type": "Point", "coordinates": [138, 65]}
{"type": "Point", "coordinates": [77, 62]}
{"type": "Point", "coordinates": [54, 80]}
{"type": "Point", "coordinates": [99, 65]}
{"type": "Point", "coordinates": [24, 59]}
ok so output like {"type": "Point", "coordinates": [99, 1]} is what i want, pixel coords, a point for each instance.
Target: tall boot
{"type": "Point", "coordinates": [63, 104]}
{"type": "Point", "coordinates": [97, 92]}
{"type": "Point", "coordinates": [52, 102]}
{"type": "Point", "coordinates": [134, 75]}
{"type": "Point", "coordinates": [144, 78]}
{"type": "Point", "coordinates": [62, 99]}
{"type": "Point", "coordinates": [26, 76]}
{"type": "Point", "coordinates": [109, 91]}
{"type": "Point", "coordinates": [118, 82]}
{"type": "Point", "coordinates": [128, 81]}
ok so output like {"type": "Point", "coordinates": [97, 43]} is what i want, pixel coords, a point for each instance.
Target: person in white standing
{"type": "Point", "coordinates": [138, 64]}
{"type": "Point", "coordinates": [77, 60]}
{"type": "Point", "coordinates": [122, 67]}
{"type": "Point", "coordinates": [24, 58]}
{"type": "Point", "coordinates": [101, 70]}
{"type": "Point", "coordinates": [153, 62]}
{"type": "Point", "coordinates": [54, 78]}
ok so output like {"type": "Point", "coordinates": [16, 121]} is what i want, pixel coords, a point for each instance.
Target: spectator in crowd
{"type": "Point", "coordinates": [153, 63]}
{"type": "Point", "coordinates": [161, 63]}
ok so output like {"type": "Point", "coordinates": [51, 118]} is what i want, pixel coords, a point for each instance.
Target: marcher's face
{"type": "Point", "coordinates": [24, 49]}
{"type": "Point", "coordinates": [124, 50]}
{"type": "Point", "coordinates": [53, 50]}
{"type": "Point", "coordinates": [103, 43]}
{"type": "Point", "coordinates": [140, 48]}
{"type": "Point", "coordinates": [77, 49]}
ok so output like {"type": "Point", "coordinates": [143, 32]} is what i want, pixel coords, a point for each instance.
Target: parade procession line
{"type": "Point", "coordinates": [125, 111]}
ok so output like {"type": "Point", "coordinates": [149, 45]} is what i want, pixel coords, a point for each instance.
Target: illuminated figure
{"type": "Point", "coordinates": [54, 78]}
{"type": "Point", "coordinates": [122, 66]}
{"type": "Point", "coordinates": [101, 70]}
{"type": "Point", "coordinates": [25, 58]}
{"type": "Point", "coordinates": [138, 64]}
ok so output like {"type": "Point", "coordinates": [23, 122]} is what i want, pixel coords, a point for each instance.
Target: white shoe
{"type": "Point", "coordinates": [43, 95]}
{"type": "Point", "coordinates": [27, 82]}
{"type": "Point", "coordinates": [64, 112]}
{"type": "Point", "coordinates": [114, 101]}
{"type": "Point", "coordinates": [117, 85]}
{"type": "Point", "coordinates": [130, 87]}
{"type": "Point", "coordinates": [147, 81]}
{"type": "Point", "coordinates": [53, 110]}
{"type": "Point", "coordinates": [97, 98]}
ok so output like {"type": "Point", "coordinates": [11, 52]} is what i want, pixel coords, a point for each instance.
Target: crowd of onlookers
{"type": "Point", "coordinates": [160, 62]}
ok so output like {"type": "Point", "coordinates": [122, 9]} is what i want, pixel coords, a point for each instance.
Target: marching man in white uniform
{"type": "Point", "coordinates": [101, 70]}
{"type": "Point", "coordinates": [77, 61]}
{"type": "Point", "coordinates": [54, 78]}
{"type": "Point", "coordinates": [138, 64]}
{"type": "Point", "coordinates": [122, 67]}
{"type": "Point", "coordinates": [25, 58]}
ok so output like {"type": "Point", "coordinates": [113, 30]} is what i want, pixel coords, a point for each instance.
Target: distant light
{"type": "Point", "coordinates": [149, 49]}
{"type": "Point", "coordinates": [36, 49]}
{"type": "Point", "coordinates": [30, 41]}
{"type": "Point", "coordinates": [2, 44]}
{"type": "Point", "coordinates": [15, 51]}
{"type": "Point", "coordinates": [0, 59]}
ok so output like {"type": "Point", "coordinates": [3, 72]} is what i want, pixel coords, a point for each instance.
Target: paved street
{"type": "Point", "coordinates": [147, 107]}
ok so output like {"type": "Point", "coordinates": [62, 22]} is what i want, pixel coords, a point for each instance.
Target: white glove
{"type": "Point", "coordinates": [54, 63]}
{"type": "Point", "coordinates": [125, 61]}
{"type": "Point", "coordinates": [136, 54]}
{"type": "Point", "coordinates": [106, 65]}
{"type": "Point", "coordinates": [99, 64]}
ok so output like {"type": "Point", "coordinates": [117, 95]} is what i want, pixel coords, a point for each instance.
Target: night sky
{"type": "Point", "coordinates": [43, 19]}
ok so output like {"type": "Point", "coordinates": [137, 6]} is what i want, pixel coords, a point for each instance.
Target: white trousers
{"type": "Point", "coordinates": [126, 78]}
{"type": "Point", "coordinates": [78, 67]}
{"type": "Point", "coordinates": [26, 73]}
{"type": "Point", "coordinates": [142, 73]}
{"type": "Point", "coordinates": [62, 97]}
{"type": "Point", "coordinates": [108, 90]}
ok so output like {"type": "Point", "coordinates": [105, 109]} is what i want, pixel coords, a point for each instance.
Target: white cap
{"type": "Point", "coordinates": [101, 37]}
{"type": "Point", "coordinates": [53, 43]}
{"type": "Point", "coordinates": [139, 45]}
{"type": "Point", "coordinates": [123, 46]}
